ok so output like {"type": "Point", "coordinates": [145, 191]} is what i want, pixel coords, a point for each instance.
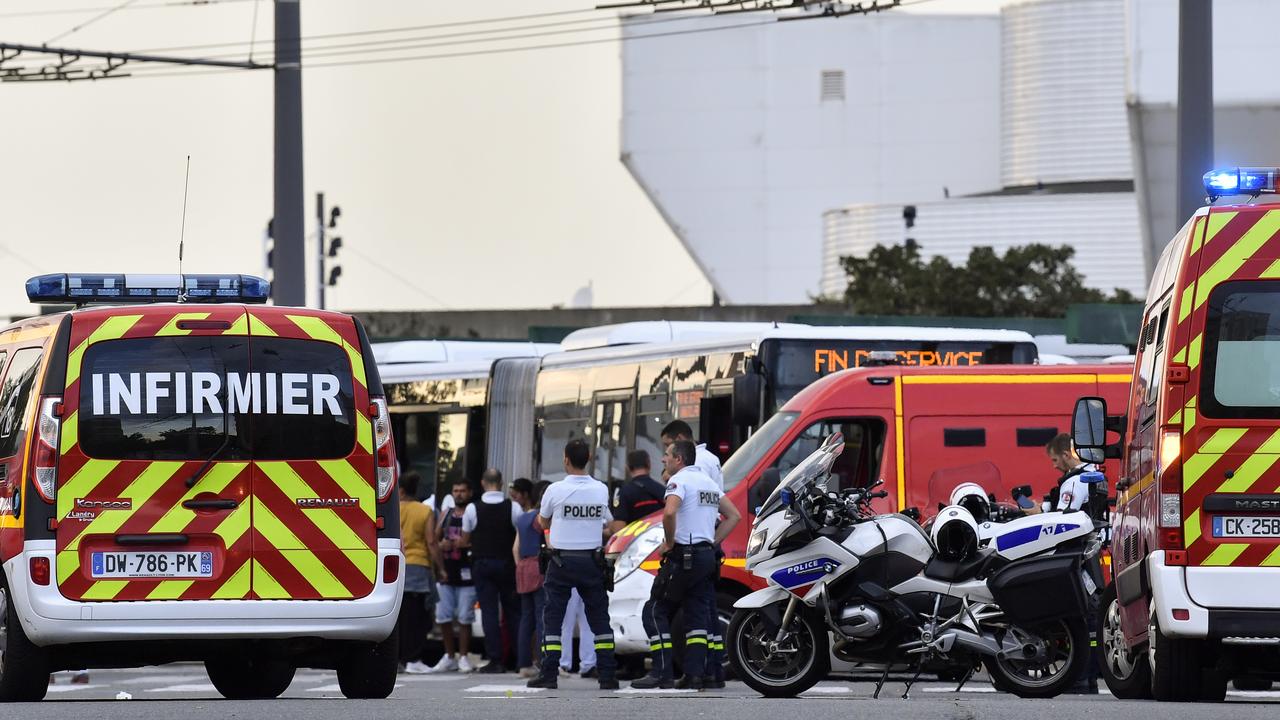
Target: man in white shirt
{"type": "Point", "coordinates": [704, 458]}
{"type": "Point", "coordinates": [575, 511]}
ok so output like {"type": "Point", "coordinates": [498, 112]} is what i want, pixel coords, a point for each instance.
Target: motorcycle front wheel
{"type": "Point", "coordinates": [1065, 644]}
{"type": "Point", "coordinates": [778, 666]}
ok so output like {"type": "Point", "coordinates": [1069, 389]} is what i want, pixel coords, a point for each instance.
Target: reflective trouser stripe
{"type": "Point", "coordinates": [549, 647]}
{"type": "Point", "coordinates": [660, 646]}
{"type": "Point", "coordinates": [695, 641]}
{"type": "Point", "coordinates": [604, 646]}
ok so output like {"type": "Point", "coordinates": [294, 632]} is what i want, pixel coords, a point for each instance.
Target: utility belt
{"type": "Point", "coordinates": [672, 582]}
{"type": "Point", "coordinates": [548, 556]}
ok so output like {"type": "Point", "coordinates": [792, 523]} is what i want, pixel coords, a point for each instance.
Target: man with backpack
{"type": "Point", "coordinates": [639, 497]}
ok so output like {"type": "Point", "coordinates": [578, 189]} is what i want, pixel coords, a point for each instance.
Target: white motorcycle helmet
{"type": "Point", "coordinates": [955, 534]}
{"type": "Point", "coordinates": [973, 498]}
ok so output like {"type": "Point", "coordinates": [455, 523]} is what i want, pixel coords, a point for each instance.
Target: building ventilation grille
{"type": "Point", "coordinates": [832, 85]}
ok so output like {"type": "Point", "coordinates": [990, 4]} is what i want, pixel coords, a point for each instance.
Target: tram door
{"type": "Point", "coordinates": [613, 432]}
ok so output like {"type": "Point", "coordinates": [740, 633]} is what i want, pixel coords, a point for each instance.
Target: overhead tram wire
{"type": "Point", "coordinates": [406, 28]}
{"type": "Point", "coordinates": [522, 48]}
{"type": "Point", "coordinates": [489, 51]}
{"type": "Point", "coordinates": [416, 43]}
{"type": "Point", "coordinates": [169, 4]}
{"type": "Point", "coordinates": [77, 28]}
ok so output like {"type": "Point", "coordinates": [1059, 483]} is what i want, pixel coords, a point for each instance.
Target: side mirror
{"type": "Point", "coordinates": [748, 398]}
{"type": "Point", "coordinates": [1089, 429]}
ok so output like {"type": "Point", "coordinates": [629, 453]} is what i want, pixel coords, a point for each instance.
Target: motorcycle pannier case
{"type": "Point", "coordinates": [1038, 589]}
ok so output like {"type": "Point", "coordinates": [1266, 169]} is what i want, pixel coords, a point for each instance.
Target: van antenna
{"type": "Point", "coordinates": [182, 234]}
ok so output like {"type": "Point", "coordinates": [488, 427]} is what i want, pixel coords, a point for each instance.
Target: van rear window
{"type": "Point", "coordinates": [187, 398]}
{"type": "Point", "coordinates": [1241, 376]}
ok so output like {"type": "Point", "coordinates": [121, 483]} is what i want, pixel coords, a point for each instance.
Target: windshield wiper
{"type": "Point", "coordinates": [226, 440]}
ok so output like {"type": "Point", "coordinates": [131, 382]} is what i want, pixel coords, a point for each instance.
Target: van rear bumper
{"type": "Point", "coordinates": [51, 619]}
{"type": "Point", "coordinates": [1231, 615]}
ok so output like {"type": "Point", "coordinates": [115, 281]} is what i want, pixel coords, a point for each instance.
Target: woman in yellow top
{"type": "Point", "coordinates": [419, 585]}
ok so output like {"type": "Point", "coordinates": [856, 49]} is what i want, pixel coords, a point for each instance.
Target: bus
{"type": "Point", "coordinates": [438, 392]}
{"type": "Point", "coordinates": [458, 407]}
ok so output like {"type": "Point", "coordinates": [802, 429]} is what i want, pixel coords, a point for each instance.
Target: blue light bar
{"type": "Point", "coordinates": [1239, 181]}
{"type": "Point", "coordinates": [87, 288]}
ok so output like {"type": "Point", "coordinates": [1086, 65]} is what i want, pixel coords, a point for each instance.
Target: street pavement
{"type": "Point", "coordinates": [183, 691]}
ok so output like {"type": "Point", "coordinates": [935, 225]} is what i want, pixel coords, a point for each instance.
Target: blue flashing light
{"type": "Point", "coordinates": [87, 288]}
{"type": "Point", "coordinates": [1239, 181]}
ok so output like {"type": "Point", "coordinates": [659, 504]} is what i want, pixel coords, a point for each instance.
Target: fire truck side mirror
{"type": "Point", "coordinates": [748, 398]}
{"type": "Point", "coordinates": [1088, 429]}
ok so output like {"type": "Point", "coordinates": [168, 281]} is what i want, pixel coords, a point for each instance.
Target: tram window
{"type": "Point", "coordinates": [420, 433]}
{"type": "Point", "coordinates": [555, 435]}
{"type": "Point", "coordinates": [451, 451]}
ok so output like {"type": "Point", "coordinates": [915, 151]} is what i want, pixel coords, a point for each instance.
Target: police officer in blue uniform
{"type": "Point", "coordinates": [693, 504]}
{"type": "Point", "coordinates": [575, 511]}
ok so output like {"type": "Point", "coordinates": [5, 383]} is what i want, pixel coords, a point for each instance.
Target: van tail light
{"type": "Point", "coordinates": [44, 456]}
{"type": "Point", "coordinates": [1170, 469]}
{"type": "Point", "coordinates": [384, 449]}
{"type": "Point", "coordinates": [40, 570]}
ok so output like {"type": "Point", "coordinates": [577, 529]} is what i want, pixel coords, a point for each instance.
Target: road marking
{"type": "Point", "coordinates": [162, 679]}
{"type": "Point", "coordinates": [975, 689]}
{"type": "Point", "coordinates": [828, 690]}
{"type": "Point", "coordinates": [337, 688]}
{"type": "Point", "coordinates": [190, 687]}
{"type": "Point", "coordinates": [72, 688]}
{"type": "Point", "coordinates": [502, 689]}
{"type": "Point", "coordinates": [655, 691]}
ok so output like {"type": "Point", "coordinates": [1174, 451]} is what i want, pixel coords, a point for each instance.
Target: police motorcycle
{"type": "Point", "coordinates": [875, 589]}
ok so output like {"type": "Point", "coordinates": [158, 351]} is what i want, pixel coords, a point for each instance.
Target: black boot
{"type": "Point", "coordinates": [550, 682]}
{"type": "Point", "coordinates": [649, 682]}
{"type": "Point", "coordinates": [688, 682]}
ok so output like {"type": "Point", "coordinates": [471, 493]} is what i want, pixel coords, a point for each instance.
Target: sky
{"type": "Point", "coordinates": [474, 182]}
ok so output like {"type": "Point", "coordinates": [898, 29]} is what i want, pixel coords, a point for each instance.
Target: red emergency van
{"type": "Point", "coordinates": [1196, 544]}
{"type": "Point", "coordinates": [923, 430]}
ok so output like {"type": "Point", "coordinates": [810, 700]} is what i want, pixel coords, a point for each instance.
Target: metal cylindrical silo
{"type": "Point", "coordinates": [1063, 92]}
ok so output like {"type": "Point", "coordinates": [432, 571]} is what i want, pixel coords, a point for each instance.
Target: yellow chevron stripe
{"type": "Point", "coordinates": [1243, 249]}
{"type": "Point", "coordinates": [259, 328]}
{"type": "Point", "coordinates": [82, 483]}
{"type": "Point", "coordinates": [68, 563]}
{"type": "Point", "coordinates": [113, 328]}
{"type": "Point", "coordinates": [1248, 473]}
{"type": "Point", "coordinates": [364, 431]}
{"type": "Point", "coordinates": [1273, 559]}
{"type": "Point", "coordinates": [1185, 304]}
{"type": "Point", "coordinates": [266, 586]}
{"type": "Point", "coordinates": [1189, 417]}
{"type": "Point", "coordinates": [1272, 271]}
{"type": "Point", "coordinates": [326, 519]}
{"type": "Point", "coordinates": [1179, 357]}
{"type": "Point", "coordinates": [292, 549]}
{"type": "Point", "coordinates": [170, 589]}
{"type": "Point", "coordinates": [239, 327]}
{"type": "Point", "coordinates": [235, 526]}
{"type": "Point", "coordinates": [214, 481]}
{"type": "Point", "coordinates": [1193, 351]}
{"type": "Point", "coordinates": [1195, 467]}
{"type": "Point", "coordinates": [1222, 440]}
{"type": "Point", "coordinates": [1217, 221]}
{"type": "Point", "coordinates": [352, 483]}
{"type": "Point", "coordinates": [365, 560]}
{"type": "Point", "coordinates": [1191, 528]}
{"type": "Point", "coordinates": [70, 432]}
{"type": "Point", "coordinates": [236, 586]}
{"type": "Point", "coordinates": [317, 329]}
{"type": "Point", "coordinates": [1175, 419]}
{"type": "Point", "coordinates": [104, 590]}
{"type": "Point", "coordinates": [139, 491]}
{"type": "Point", "coordinates": [1225, 554]}
{"type": "Point", "coordinates": [171, 328]}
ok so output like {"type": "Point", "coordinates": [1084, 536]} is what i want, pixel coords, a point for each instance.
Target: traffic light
{"type": "Point", "coordinates": [269, 251]}
{"type": "Point", "coordinates": [334, 274]}
{"type": "Point", "coordinates": [335, 245]}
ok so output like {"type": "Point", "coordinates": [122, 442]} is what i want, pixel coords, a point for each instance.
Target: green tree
{"type": "Point", "coordinates": [1027, 281]}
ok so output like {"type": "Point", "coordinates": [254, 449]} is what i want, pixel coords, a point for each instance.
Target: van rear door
{"type": "Point", "coordinates": [314, 534]}
{"type": "Point", "coordinates": [1231, 416]}
{"type": "Point", "coordinates": [153, 475]}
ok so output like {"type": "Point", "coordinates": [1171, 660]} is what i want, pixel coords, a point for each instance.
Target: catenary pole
{"type": "Point", "coordinates": [1195, 105]}
{"type": "Point", "coordinates": [290, 285]}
